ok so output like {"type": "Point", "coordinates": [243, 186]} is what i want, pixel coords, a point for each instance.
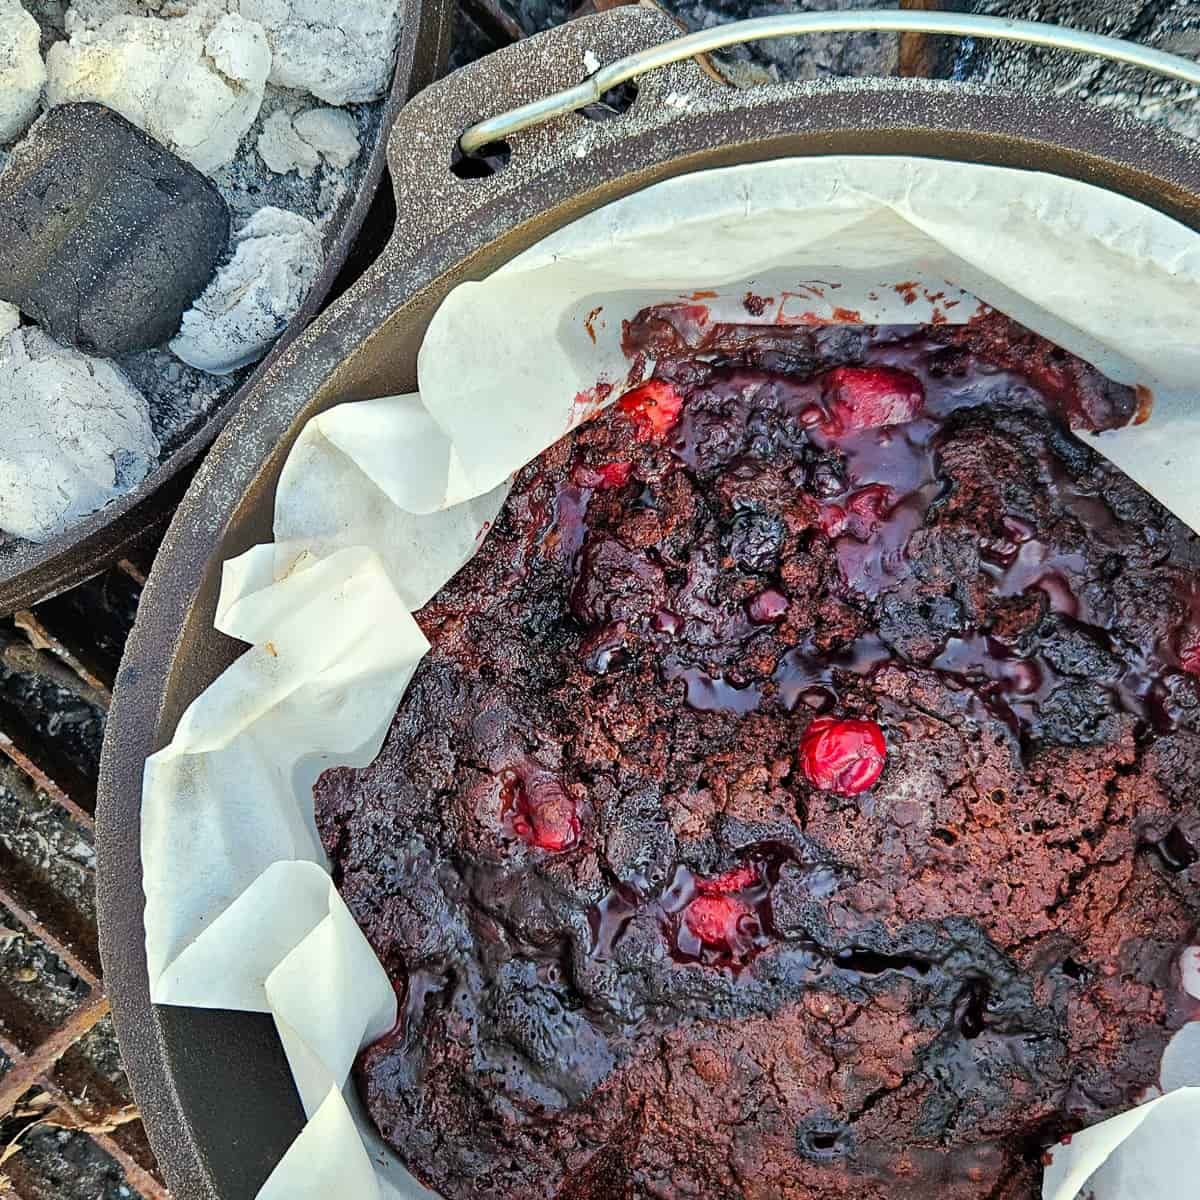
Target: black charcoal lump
{"type": "Point", "coordinates": [106, 237]}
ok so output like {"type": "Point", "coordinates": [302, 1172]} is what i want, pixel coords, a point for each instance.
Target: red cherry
{"type": "Point", "coordinates": [844, 756]}
{"type": "Point", "coordinates": [555, 823]}
{"type": "Point", "coordinates": [871, 502]}
{"type": "Point", "coordinates": [614, 474]}
{"type": "Point", "coordinates": [607, 475]}
{"type": "Point", "coordinates": [544, 814]}
{"type": "Point", "coordinates": [833, 520]}
{"type": "Point", "coordinates": [665, 621]}
{"type": "Point", "coordinates": [735, 880]}
{"type": "Point", "coordinates": [864, 512]}
{"type": "Point", "coordinates": [714, 919]}
{"type": "Point", "coordinates": [1189, 651]}
{"type": "Point", "coordinates": [767, 607]}
{"type": "Point", "coordinates": [653, 408]}
{"type": "Point", "coordinates": [860, 398]}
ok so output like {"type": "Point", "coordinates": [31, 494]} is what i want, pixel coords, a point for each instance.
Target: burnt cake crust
{"type": "Point", "coordinates": [638, 952]}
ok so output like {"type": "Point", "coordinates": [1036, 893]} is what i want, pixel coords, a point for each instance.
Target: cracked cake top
{"type": "Point", "coordinates": [795, 802]}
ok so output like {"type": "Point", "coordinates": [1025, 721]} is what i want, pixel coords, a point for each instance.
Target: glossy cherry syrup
{"type": "Point", "coordinates": [721, 920]}
{"type": "Point", "coordinates": [882, 420]}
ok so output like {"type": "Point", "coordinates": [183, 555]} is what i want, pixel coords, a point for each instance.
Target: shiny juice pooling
{"type": "Point", "coordinates": [883, 420]}
{"type": "Point", "coordinates": [720, 921]}
{"type": "Point", "coordinates": [883, 494]}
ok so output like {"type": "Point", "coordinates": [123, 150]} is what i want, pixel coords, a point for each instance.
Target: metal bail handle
{"type": "Point", "coordinates": [1035, 33]}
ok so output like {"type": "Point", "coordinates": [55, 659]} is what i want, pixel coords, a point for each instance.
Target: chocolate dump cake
{"type": "Point", "coordinates": [798, 799]}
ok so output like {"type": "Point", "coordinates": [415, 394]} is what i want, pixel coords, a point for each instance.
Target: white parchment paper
{"type": "Point", "coordinates": [383, 500]}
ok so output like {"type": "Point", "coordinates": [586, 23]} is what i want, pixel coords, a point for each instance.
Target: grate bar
{"type": "Point", "coordinates": [71, 671]}
{"type": "Point", "coordinates": [133, 571]}
{"type": "Point", "coordinates": [83, 958]}
{"type": "Point", "coordinates": [20, 1022]}
{"type": "Point", "coordinates": [72, 642]}
{"type": "Point", "coordinates": [29, 1068]}
{"type": "Point", "coordinates": [87, 1097]}
{"type": "Point", "coordinates": [150, 1187]}
{"type": "Point", "coordinates": [44, 783]}
{"type": "Point", "coordinates": [135, 1173]}
{"type": "Point", "coordinates": [494, 20]}
{"type": "Point", "coordinates": [67, 785]}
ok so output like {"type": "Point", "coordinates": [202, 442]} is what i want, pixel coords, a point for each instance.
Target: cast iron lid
{"type": "Point", "coordinates": [214, 1088]}
{"type": "Point", "coordinates": [30, 572]}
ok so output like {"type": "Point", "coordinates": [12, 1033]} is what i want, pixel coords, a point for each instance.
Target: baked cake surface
{"type": "Point", "coordinates": [798, 800]}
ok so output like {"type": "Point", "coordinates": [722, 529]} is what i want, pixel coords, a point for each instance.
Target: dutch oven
{"type": "Point", "coordinates": [30, 572]}
{"type": "Point", "coordinates": [214, 1088]}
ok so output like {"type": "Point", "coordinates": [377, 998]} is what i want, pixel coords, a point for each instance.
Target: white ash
{"type": "Point", "coordinates": [50, 16]}
{"type": "Point", "coordinates": [254, 296]}
{"type": "Point", "coordinates": [248, 184]}
{"type": "Point", "coordinates": [194, 82]}
{"type": "Point", "coordinates": [22, 72]}
{"type": "Point", "coordinates": [10, 318]}
{"type": "Point", "coordinates": [298, 142]}
{"type": "Point", "coordinates": [74, 434]}
{"type": "Point", "coordinates": [283, 149]}
{"type": "Point", "coordinates": [332, 132]}
{"type": "Point", "coordinates": [180, 397]}
{"type": "Point", "coordinates": [91, 14]}
{"type": "Point", "coordinates": [340, 52]}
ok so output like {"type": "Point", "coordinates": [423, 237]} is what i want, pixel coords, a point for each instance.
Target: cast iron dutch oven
{"type": "Point", "coordinates": [214, 1088]}
{"type": "Point", "coordinates": [29, 572]}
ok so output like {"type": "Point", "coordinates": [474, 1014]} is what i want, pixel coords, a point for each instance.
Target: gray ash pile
{"type": "Point", "coordinates": [172, 173]}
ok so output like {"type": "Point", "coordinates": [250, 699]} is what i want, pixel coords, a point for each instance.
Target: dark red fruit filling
{"type": "Point", "coordinates": [1189, 651]}
{"type": "Point", "coordinates": [653, 408]}
{"type": "Point", "coordinates": [615, 474]}
{"type": "Point", "coordinates": [767, 606]}
{"type": "Point", "coordinates": [541, 812]}
{"type": "Point", "coordinates": [845, 756]}
{"type": "Point", "coordinates": [715, 919]}
{"type": "Point", "coordinates": [606, 475]}
{"type": "Point", "coordinates": [858, 398]}
{"type": "Point", "coordinates": [685, 953]}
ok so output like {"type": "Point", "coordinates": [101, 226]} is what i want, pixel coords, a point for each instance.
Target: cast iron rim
{"type": "Point", "coordinates": [213, 1143]}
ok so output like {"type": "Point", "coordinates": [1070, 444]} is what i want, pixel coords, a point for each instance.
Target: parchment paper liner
{"type": "Point", "coordinates": [383, 500]}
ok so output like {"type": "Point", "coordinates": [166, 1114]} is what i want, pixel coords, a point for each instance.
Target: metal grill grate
{"type": "Point", "coordinates": [68, 1126]}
